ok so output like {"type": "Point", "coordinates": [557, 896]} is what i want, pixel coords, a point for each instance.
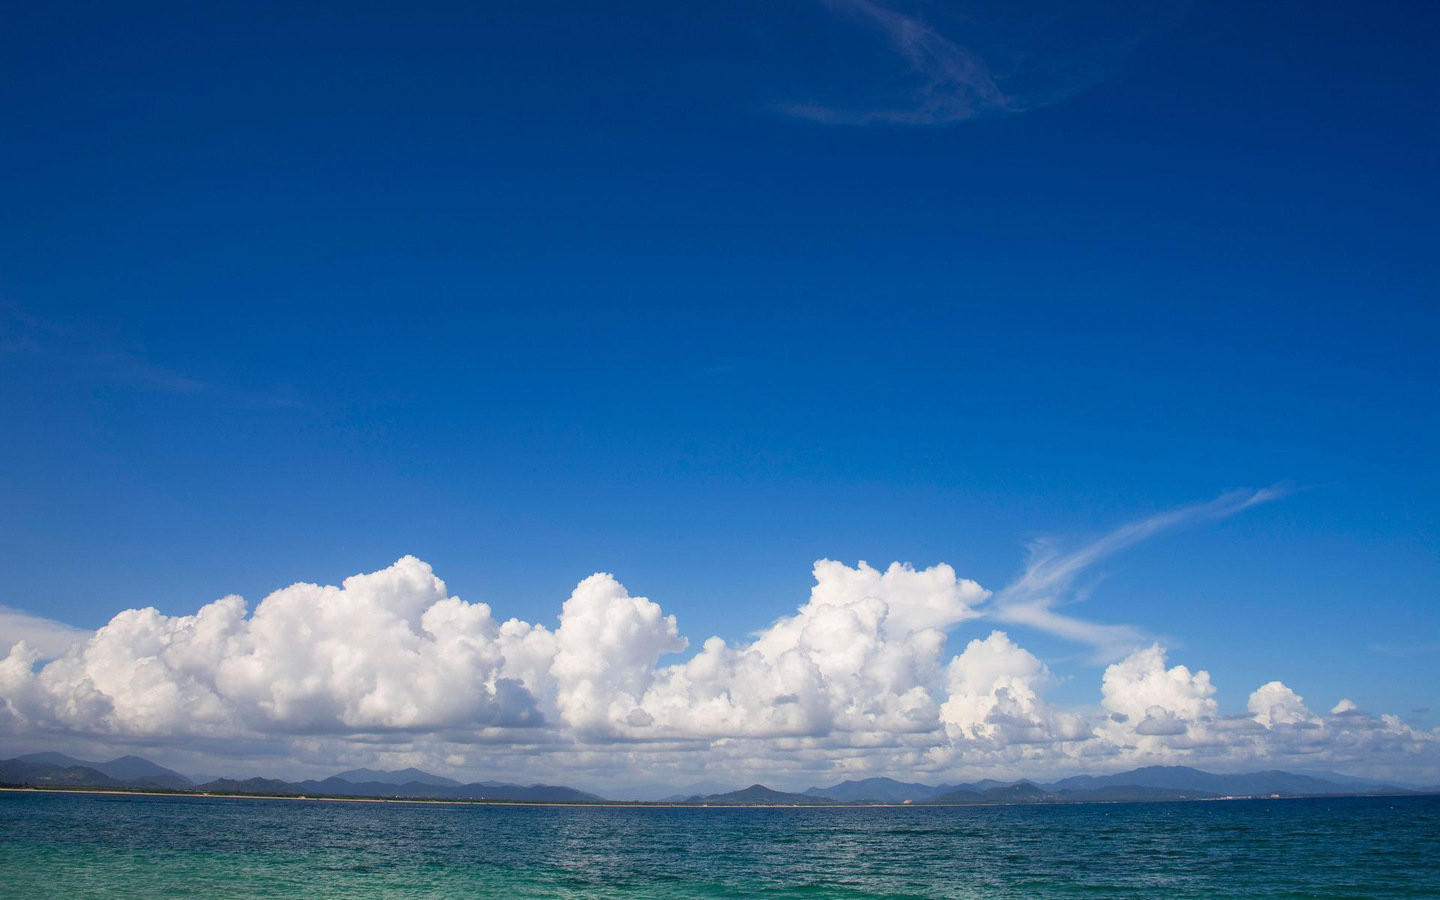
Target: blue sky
{"type": "Point", "coordinates": [698, 295]}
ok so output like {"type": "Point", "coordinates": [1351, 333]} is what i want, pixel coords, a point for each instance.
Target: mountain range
{"type": "Point", "coordinates": [59, 769]}
{"type": "Point", "coordinates": [1150, 783]}
{"type": "Point", "coordinates": [134, 773]}
{"type": "Point", "coordinates": [56, 770]}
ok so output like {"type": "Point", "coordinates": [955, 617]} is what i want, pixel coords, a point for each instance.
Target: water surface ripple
{"type": "Point", "coordinates": [85, 845]}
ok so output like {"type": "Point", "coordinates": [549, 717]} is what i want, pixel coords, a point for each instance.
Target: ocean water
{"type": "Point", "coordinates": [78, 845]}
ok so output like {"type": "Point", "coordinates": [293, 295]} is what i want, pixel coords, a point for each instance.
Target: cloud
{"type": "Point", "coordinates": [858, 658]}
{"type": "Point", "coordinates": [1049, 576]}
{"type": "Point", "coordinates": [93, 354]}
{"type": "Point", "coordinates": [949, 63]}
{"type": "Point", "coordinates": [605, 654]}
{"type": "Point", "coordinates": [47, 637]}
{"type": "Point", "coordinates": [1143, 690]}
{"type": "Point", "coordinates": [1407, 648]}
{"type": "Point", "coordinates": [994, 697]}
{"type": "Point", "coordinates": [954, 83]}
{"type": "Point", "coordinates": [1275, 704]}
{"type": "Point", "coordinates": [1160, 722]}
{"type": "Point", "coordinates": [86, 350]}
{"type": "Point", "coordinates": [388, 668]}
{"type": "Point", "coordinates": [383, 651]}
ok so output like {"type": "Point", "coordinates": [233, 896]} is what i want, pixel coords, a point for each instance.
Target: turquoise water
{"type": "Point", "coordinates": [71, 845]}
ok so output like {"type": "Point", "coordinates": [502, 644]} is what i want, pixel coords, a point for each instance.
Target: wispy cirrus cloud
{"type": "Point", "coordinates": [1405, 648]}
{"type": "Point", "coordinates": [955, 83]}
{"type": "Point", "coordinates": [954, 60]}
{"type": "Point", "coordinates": [88, 353]}
{"type": "Point", "coordinates": [1050, 576]}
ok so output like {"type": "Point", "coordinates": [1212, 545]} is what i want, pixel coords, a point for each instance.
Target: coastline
{"type": "Point", "coordinates": [641, 804]}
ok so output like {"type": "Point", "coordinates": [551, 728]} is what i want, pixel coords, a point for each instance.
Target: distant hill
{"type": "Point", "coordinates": [397, 777]}
{"type": "Point", "coordinates": [125, 769]}
{"type": "Point", "coordinates": [135, 773]}
{"type": "Point", "coordinates": [981, 786]}
{"type": "Point", "coordinates": [759, 794]}
{"type": "Point", "coordinates": [338, 787]}
{"type": "Point", "coordinates": [672, 793]}
{"type": "Point", "coordinates": [533, 793]}
{"type": "Point", "coordinates": [54, 759]}
{"type": "Point", "coordinates": [958, 795]}
{"type": "Point", "coordinates": [56, 770]}
{"type": "Point", "coordinates": [486, 790]}
{"type": "Point", "coordinates": [1151, 783]}
{"type": "Point", "coordinates": [991, 794]}
{"type": "Point", "coordinates": [19, 772]}
{"type": "Point", "coordinates": [1367, 783]}
{"type": "Point", "coordinates": [133, 768]}
{"type": "Point", "coordinates": [1012, 793]}
{"type": "Point", "coordinates": [414, 790]}
{"type": "Point", "coordinates": [250, 786]}
{"type": "Point", "coordinates": [1026, 793]}
{"type": "Point", "coordinates": [1184, 778]}
{"type": "Point", "coordinates": [875, 790]}
{"type": "Point", "coordinates": [1019, 792]}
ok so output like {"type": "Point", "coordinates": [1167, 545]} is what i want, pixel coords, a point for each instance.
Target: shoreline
{"type": "Point", "coordinates": [642, 804]}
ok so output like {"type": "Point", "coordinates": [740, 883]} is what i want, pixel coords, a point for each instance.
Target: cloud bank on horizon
{"type": "Point", "coordinates": [859, 679]}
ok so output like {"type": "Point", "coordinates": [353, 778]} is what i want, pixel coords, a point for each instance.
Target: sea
{"type": "Point", "coordinates": [69, 845]}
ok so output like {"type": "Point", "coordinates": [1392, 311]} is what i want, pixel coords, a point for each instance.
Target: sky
{"type": "Point", "coordinates": [1010, 388]}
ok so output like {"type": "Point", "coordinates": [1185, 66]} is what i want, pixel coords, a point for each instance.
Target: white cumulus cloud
{"type": "Point", "coordinates": [387, 650]}
{"type": "Point", "coordinates": [1275, 704]}
{"type": "Point", "coordinates": [872, 674]}
{"type": "Point", "coordinates": [1141, 683]}
{"type": "Point", "coordinates": [994, 697]}
{"type": "Point", "coordinates": [1150, 703]}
